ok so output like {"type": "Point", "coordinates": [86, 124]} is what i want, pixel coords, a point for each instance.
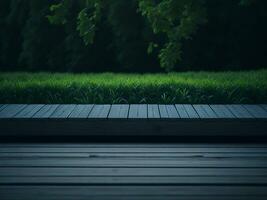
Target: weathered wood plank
{"type": "Point", "coordinates": [139, 162]}
{"type": "Point", "coordinates": [29, 111]}
{"type": "Point", "coordinates": [11, 110]}
{"type": "Point", "coordinates": [138, 111]}
{"type": "Point", "coordinates": [172, 112]}
{"type": "Point", "coordinates": [132, 155]}
{"type": "Point", "coordinates": [256, 111]}
{"type": "Point", "coordinates": [204, 111]}
{"type": "Point", "coordinates": [264, 106]}
{"type": "Point", "coordinates": [81, 111]}
{"type": "Point", "coordinates": [26, 196]}
{"type": "Point", "coordinates": [191, 111]}
{"type": "Point", "coordinates": [181, 111]}
{"type": "Point", "coordinates": [62, 111]}
{"type": "Point", "coordinates": [163, 111]}
{"type": "Point", "coordinates": [142, 111]}
{"type": "Point", "coordinates": [144, 180]}
{"type": "Point", "coordinates": [222, 111]}
{"type": "Point", "coordinates": [118, 111]}
{"type": "Point", "coordinates": [139, 172]}
{"type": "Point", "coordinates": [2, 106]}
{"type": "Point", "coordinates": [153, 111]}
{"type": "Point", "coordinates": [46, 111]}
{"type": "Point", "coordinates": [239, 111]}
{"type": "Point", "coordinates": [100, 111]}
{"type": "Point", "coordinates": [125, 190]}
{"type": "Point", "coordinates": [168, 111]}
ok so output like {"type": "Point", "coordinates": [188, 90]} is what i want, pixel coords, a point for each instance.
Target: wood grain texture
{"type": "Point", "coordinates": [133, 171]}
{"type": "Point", "coordinates": [105, 120]}
{"type": "Point", "coordinates": [153, 111]}
{"type": "Point", "coordinates": [81, 111]}
{"type": "Point", "coordinates": [11, 110]}
{"type": "Point", "coordinates": [29, 111]}
{"type": "Point", "coordinates": [118, 111]}
{"type": "Point", "coordinates": [45, 112]}
{"type": "Point", "coordinates": [222, 111]}
{"type": "Point", "coordinates": [99, 111]}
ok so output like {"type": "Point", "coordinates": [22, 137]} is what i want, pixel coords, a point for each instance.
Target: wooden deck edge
{"type": "Point", "coordinates": [48, 127]}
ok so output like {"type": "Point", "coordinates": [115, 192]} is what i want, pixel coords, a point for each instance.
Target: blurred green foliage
{"type": "Point", "coordinates": [132, 35]}
{"type": "Point", "coordinates": [187, 87]}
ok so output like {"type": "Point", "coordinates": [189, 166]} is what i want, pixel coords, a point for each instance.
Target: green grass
{"type": "Point", "coordinates": [188, 87]}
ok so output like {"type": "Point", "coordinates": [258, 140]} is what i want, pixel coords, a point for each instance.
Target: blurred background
{"type": "Point", "coordinates": [232, 38]}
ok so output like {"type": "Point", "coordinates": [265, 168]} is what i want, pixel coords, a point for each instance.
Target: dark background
{"type": "Point", "coordinates": [233, 39]}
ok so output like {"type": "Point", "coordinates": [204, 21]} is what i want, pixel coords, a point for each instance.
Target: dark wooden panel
{"type": "Point", "coordinates": [136, 145]}
{"type": "Point", "coordinates": [11, 110]}
{"type": "Point", "coordinates": [81, 111]}
{"type": "Point", "coordinates": [245, 150]}
{"type": "Point", "coordinates": [153, 111]}
{"type": "Point", "coordinates": [119, 111]}
{"type": "Point", "coordinates": [46, 111]}
{"type": "Point", "coordinates": [222, 111]}
{"type": "Point", "coordinates": [26, 196]}
{"type": "Point", "coordinates": [256, 111]}
{"type": "Point", "coordinates": [125, 197]}
{"type": "Point", "coordinates": [182, 191]}
{"type": "Point", "coordinates": [240, 128]}
{"type": "Point", "coordinates": [100, 111]}
{"type": "Point", "coordinates": [29, 111]}
{"type": "Point", "coordinates": [62, 111]}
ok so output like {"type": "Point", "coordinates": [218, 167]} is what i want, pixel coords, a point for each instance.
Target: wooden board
{"type": "Point", "coordinates": [204, 111]}
{"type": "Point", "coordinates": [11, 110]}
{"type": "Point", "coordinates": [191, 111]}
{"type": "Point", "coordinates": [163, 120]}
{"type": "Point", "coordinates": [153, 111]}
{"type": "Point", "coordinates": [118, 111]}
{"type": "Point", "coordinates": [222, 111]}
{"type": "Point", "coordinates": [256, 110]}
{"type": "Point", "coordinates": [181, 111]}
{"type": "Point", "coordinates": [99, 111]}
{"type": "Point", "coordinates": [29, 111]}
{"type": "Point", "coordinates": [45, 112]}
{"type": "Point", "coordinates": [133, 171]}
{"type": "Point", "coordinates": [62, 111]}
{"type": "Point", "coordinates": [81, 111]}
{"type": "Point", "coordinates": [168, 112]}
{"type": "Point", "coordinates": [239, 111]}
{"type": "Point", "coordinates": [138, 111]}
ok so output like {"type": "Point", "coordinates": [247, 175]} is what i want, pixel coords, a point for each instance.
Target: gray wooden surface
{"type": "Point", "coordinates": [143, 111]}
{"type": "Point", "coordinates": [133, 171]}
{"type": "Point", "coordinates": [134, 119]}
